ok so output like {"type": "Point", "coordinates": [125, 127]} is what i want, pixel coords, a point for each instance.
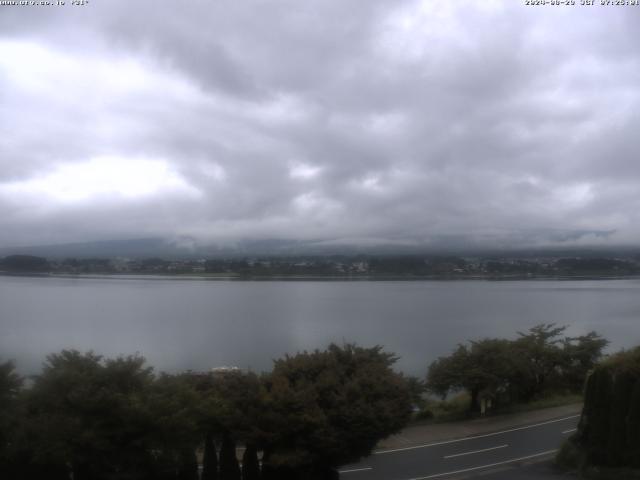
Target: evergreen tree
{"type": "Point", "coordinates": [188, 465]}
{"type": "Point", "coordinates": [268, 471]}
{"type": "Point", "coordinates": [229, 467]}
{"type": "Point", "coordinates": [621, 397]}
{"type": "Point", "coordinates": [250, 464]}
{"type": "Point", "coordinates": [164, 467]}
{"type": "Point", "coordinates": [10, 387]}
{"type": "Point", "coordinates": [608, 433]}
{"type": "Point", "coordinates": [632, 454]}
{"type": "Point", "coordinates": [210, 459]}
{"type": "Point", "coordinates": [599, 416]}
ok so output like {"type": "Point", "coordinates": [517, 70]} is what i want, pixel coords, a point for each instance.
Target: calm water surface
{"type": "Point", "coordinates": [198, 324]}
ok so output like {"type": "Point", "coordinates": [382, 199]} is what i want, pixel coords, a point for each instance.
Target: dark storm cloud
{"type": "Point", "coordinates": [403, 122]}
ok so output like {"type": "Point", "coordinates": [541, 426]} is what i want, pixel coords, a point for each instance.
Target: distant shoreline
{"type": "Point", "coordinates": [329, 278]}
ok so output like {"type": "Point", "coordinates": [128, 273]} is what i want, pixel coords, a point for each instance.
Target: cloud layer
{"type": "Point", "coordinates": [338, 122]}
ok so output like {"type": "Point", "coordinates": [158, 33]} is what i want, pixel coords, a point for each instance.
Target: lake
{"type": "Point", "coordinates": [198, 324]}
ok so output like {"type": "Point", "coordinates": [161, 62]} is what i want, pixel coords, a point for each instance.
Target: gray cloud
{"type": "Point", "coordinates": [363, 121]}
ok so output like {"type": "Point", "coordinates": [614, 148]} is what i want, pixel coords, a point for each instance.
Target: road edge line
{"type": "Point", "coordinates": [471, 469]}
{"type": "Point", "coordinates": [355, 470]}
{"type": "Point", "coordinates": [476, 451]}
{"type": "Point", "coordinates": [446, 442]}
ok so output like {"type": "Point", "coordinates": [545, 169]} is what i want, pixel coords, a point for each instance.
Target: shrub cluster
{"type": "Point", "coordinates": [114, 419]}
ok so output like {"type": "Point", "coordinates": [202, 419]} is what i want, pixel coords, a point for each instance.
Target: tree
{"type": "Point", "coordinates": [250, 464]}
{"type": "Point", "coordinates": [24, 263]}
{"type": "Point", "coordinates": [10, 388]}
{"type": "Point", "coordinates": [327, 408]}
{"type": "Point", "coordinates": [210, 459]}
{"type": "Point", "coordinates": [236, 404]}
{"type": "Point", "coordinates": [581, 356]}
{"type": "Point", "coordinates": [632, 456]}
{"type": "Point", "coordinates": [232, 403]}
{"type": "Point", "coordinates": [188, 469]}
{"type": "Point", "coordinates": [176, 409]}
{"type": "Point", "coordinates": [517, 370]}
{"type": "Point", "coordinates": [621, 394]}
{"type": "Point", "coordinates": [608, 429]}
{"type": "Point", "coordinates": [229, 467]}
{"type": "Point", "coordinates": [91, 414]}
{"type": "Point", "coordinates": [417, 388]}
{"type": "Point", "coordinates": [483, 368]}
{"type": "Point", "coordinates": [538, 354]}
{"type": "Point", "coordinates": [10, 384]}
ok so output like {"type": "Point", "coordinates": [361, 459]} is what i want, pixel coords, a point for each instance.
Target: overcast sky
{"type": "Point", "coordinates": [359, 121]}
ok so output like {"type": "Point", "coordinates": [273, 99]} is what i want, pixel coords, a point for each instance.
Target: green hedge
{"type": "Point", "coordinates": [609, 430]}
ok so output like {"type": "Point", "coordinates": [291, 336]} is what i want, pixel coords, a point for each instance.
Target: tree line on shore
{"type": "Point", "coordinates": [383, 266]}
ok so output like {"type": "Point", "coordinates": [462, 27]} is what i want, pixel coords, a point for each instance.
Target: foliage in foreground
{"type": "Point", "coordinates": [99, 418]}
{"type": "Point", "coordinates": [608, 434]}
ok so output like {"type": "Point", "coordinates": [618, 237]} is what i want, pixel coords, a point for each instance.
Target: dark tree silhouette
{"type": "Point", "coordinates": [229, 467]}
{"type": "Point", "coordinates": [250, 463]}
{"type": "Point", "coordinates": [188, 465]}
{"type": "Point", "coordinates": [210, 459]}
{"type": "Point", "coordinates": [327, 408]}
{"type": "Point", "coordinates": [607, 434]}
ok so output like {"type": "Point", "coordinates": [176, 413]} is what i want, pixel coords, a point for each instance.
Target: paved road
{"type": "Point", "coordinates": [544, 470]}
{"type": "Point", "coordinates": [465, 457]}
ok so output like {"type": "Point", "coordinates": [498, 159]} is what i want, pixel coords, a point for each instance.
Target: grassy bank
{"type": "Point", "coordinates": [456, 408]}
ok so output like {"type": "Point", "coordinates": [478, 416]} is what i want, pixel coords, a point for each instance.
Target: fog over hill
{"type": "Point", "coordinates": [190, 249]}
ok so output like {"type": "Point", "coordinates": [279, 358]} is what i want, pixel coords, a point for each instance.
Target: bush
{"type": "Point", "coordinates": [328, 408]}
{"type": "Point", "coordinates": [424, 414]}
{"type": "Point", "coordinates": [608, 429]}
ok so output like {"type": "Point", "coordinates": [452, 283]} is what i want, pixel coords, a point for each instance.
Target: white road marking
{"type": "Point", "coordinates": [355, 470]}
{"type": "Point", "coordinates": [446, 442]}
{"type": "Point", "coordinates": [548, 452]}
{"type": "Point", "coordinates": [570, 430]}
{"type": "Point", "coordinates": [476, 451]}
